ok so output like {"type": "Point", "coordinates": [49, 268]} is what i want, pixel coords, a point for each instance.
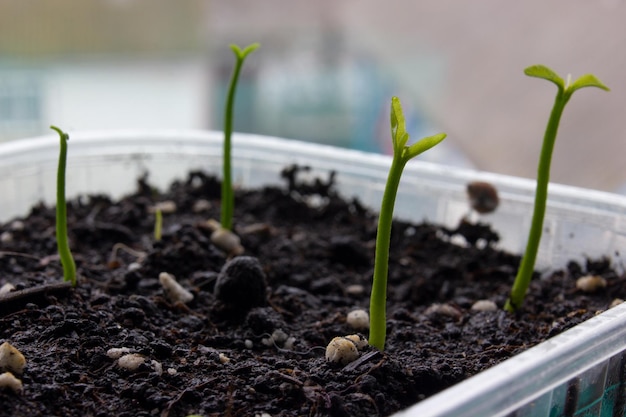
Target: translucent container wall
{"type": "Point", "coordinates": [579, 373]}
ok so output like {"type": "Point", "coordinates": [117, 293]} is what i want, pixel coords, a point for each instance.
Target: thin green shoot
{"type": "Point", "coordinates": [564, 93]}
{"type": "Point", "coordinates": [158, 224]}
{"type": "Point", "coordinates": [228, 196]}
{"type": "Point", "coordinates": [402, 153]}
{"type": "Point", "coordinates": [65, 254]}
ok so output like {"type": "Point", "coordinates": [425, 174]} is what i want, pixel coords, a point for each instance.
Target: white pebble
{"type": "Point", "coordinates": [289, 343]}
{"type": "Point", "coordinates": [443, 310]}
{"type": "Point", "coordinates": [484, 305]}
{"type": "Point", "coordinates": [341, 350]}
{"type": "Point", "coordinates": [173, 290]}
{"type": "Point", "coordinates": [11, 359]}
{"type": "Point", "coordinates": [16, 225]}
{"type": "Point", "coordinates": [227, 241]}
{"type": "Point", "coordinates": [359, 341]}
{"type": "Point", "coordinates": [131, 361]}
{"type": "Point", "coordinates": [279, 336]}
{"type": "Point", "coordinates": [133, 266]}
{"type": "Point", "coordinates": [6, 237]}
{"type": "Point", "coordinates": [172, 371]}
{"type": "Point", "coordinates": [8, 380]}
{"type": "Point", "coordinates": [355, 289]}
{"type": "Point", "coordinates": [116, 353]}
{"type": "Point", "coordinates": [224, 359]}
{"type": "Point", "coordinates": [590, 283]}
{"type": "Point", "coordinates": [616, 302]}
{"type": "Point", "coordinates": [256, 229]}
{"type": "Point", "coordinates": [158, 368]}
{"type": "Point", "coordinates": [358, 319]}
{"type": "Point", "coordinates": [316, 201]}
{"type": "Point", "coordinates": [201, 205]}
{"type": "Point", "coordinates": [166, 207]}
{"type": "Point", "coordinates": [7, 288]}
{"type": "Point", "coordinates": [224, 239]}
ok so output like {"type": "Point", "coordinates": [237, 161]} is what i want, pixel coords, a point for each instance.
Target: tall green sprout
{"type": "Point", "coordinates": [228, 196]}
{"type": "Point", "coordinates": [67, 260]}
{"type": "Point", "coordinates": [402, 153]}
{"type": "Point", "coordinates": [564, 93]}
{"type": "Point", "coordinates": [158, 224]}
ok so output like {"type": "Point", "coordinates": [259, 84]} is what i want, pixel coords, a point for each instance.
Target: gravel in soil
{"type": "Point", "coordinates": [118, 344]}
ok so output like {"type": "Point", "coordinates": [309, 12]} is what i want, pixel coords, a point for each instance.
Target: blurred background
{"type": "Point", "coordinates": [325, 73]}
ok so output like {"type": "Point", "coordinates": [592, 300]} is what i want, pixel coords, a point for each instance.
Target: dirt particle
{"type": "Point", "coordinates": [241, 283]}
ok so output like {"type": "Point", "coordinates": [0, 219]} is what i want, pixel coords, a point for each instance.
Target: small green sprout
{"type": "Point", "coordinates": [158, 224]}
{"type": "Point", "coordinates": [564, 93]}
{"type": "Point", "coordinates": [67, 261]}
{"type": "Point", "coordinates": [402, 153]}
{"type": "Point", "coordinates": [228, 197]}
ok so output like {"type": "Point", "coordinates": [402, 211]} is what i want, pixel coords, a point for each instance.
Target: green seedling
{"type": "Point", "coordinates": [402, 153]}
{"type": "Point", "coordinates": [228, 197]}
{"type": "Point", "coordinates": [67, 260]}
{"type": "Point", "coordinates": [158, 224]}
{"type": "Point", "coordinates": [564, 93]}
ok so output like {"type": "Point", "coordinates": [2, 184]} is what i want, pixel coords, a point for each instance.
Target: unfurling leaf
{"type": "Point", "coordinates": [541, 71]}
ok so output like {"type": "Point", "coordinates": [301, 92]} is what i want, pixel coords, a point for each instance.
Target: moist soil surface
{"type": "Point", "coordinates": [246, 355]}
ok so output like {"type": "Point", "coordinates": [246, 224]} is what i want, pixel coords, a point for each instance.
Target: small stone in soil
{"type": "Point", "coordinates": [355, 289]}
{"type": "Point", "coordinates": [173, 290]}
{"type": "Point", "coordinates": [224, 239]}
{"type": "Point", "coordinates": [11, 359]}
{"type": "Point", "coordinates": [341, 350]}
{"type": "Point", "coordinates": [447, 310]}
{"type": "Point", "coordinates": [9, 381]}
{"type": "Point", "coordinates": [590, 283]}
{"type": "Point", "coordinates": [131, 361]}
{"type": "Point", "coordinates": [278, 337]}
{"type": "Point", "coordinates": [166, 207]}
{"type": "Point", "coordinates": [358, 319]}
{"type": "Point", "coordinates": [241, 283]}
{"type": "Point", "coordinates": [116, 353]}
{"type": "Point", "coordinates": [484, 305]}
{"type": "Point", "coordinates": [7, 288]}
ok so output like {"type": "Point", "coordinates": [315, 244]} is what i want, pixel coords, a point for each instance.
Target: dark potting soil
{"type": "Point", "coordinates": [214, 358]}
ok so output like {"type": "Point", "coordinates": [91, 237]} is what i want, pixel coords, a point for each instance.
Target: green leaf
{"type": "Point", "coordinates": [588, 80]}
{"type": "Point", "coordinates": [242, 53]}
{"type": "Point", "coordinates": [399, 135]}
{"type": "Point", "coordinates": [423, 145]}
{"type": "Point", "coordinates": [541, 71]}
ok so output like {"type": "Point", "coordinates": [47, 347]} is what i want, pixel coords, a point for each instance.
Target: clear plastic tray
{"type": "Point", "coordinates": [587, 361]}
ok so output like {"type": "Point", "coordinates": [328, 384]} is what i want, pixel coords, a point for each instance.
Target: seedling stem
{"type": "Point", "coordinates": [228, 197]}
{"type": "Point", "coordinates": [564, 93]}
{"type": "Point", "coordinates": [401, 155]}
{"type": "Point", "coordinates": [67, 260]}
{"type": "Point", "coordinates": [158, 224]}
